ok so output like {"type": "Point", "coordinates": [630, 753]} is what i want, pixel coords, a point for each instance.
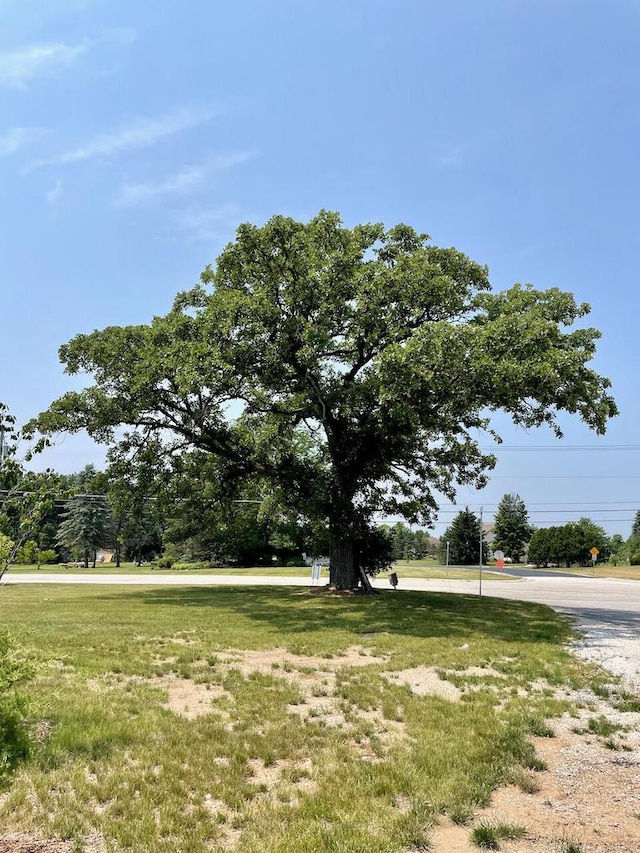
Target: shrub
{"type": "Point", "coordinates": [190, 567]}
{"type": "Point", "coordinates": [14, 738]}
{"type": "Point", "coordinates": [46, 557]}
{"type": "Point", "coordinates": [635, 559]}
{"type": "Point", "coordinates": [164, 563]}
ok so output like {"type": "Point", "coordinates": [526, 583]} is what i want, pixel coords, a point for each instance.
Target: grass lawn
{"type": "Point", "coordinates": [184, 720]}
{"type": "Point", "coordinates": [407, 569]}
{"type": "Point", "coordinates": [630, 573]}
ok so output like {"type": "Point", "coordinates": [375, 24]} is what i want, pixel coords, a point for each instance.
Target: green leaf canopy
{"type": "Point", "coordinates": [350, 369]}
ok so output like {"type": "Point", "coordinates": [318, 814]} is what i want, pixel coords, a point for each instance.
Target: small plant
{"type": "Point", "coordinates": [627, 702]}
{"type": "Point", "coordinates": [488, 836]}
{"type": "Point", "coordinates": [601, 690]}
{"type": "Point", "coordinates": [461, 815]}
{"type": "Point", "coordinates": [538, 765]}
{"type": "Point", "coordinates": [602, 727]}
{"type": "Point", "coordinates": [540, 728]}
{"type": "Point", "coordinates": [527, 783]}
{"type": "Point", "coordinates": [567, 846]}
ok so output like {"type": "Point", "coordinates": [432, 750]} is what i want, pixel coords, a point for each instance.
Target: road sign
{"type": "Point", "coordinates": [594, 551]}
{"type": "Point", "coordinates": [498, 555]}
{"type": "Point", "coordinates": [499, 564]}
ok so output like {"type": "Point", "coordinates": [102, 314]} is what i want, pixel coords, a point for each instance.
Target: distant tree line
{"type": "Point", "coordinates": [183, 514]}
{"type": "Point", "coordinates": [569, 544]}
{"type": "Point", "coordinates": [408, 544]}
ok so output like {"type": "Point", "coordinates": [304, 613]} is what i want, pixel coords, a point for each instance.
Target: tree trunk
{"type": "Point", "coordinates": [343, 572]}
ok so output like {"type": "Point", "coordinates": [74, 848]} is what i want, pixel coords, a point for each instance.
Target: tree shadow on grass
{"type": "Point", "coordinates": [418, 614]}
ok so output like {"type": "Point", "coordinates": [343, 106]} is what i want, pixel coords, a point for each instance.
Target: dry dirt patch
{"type": "Point", "coordinates": [25, 843]}
{"type": "Point", "coordinates": [270, 660]}
{"type": "Point", "coordinates": [187, 698]}
{"type": "Point", "coordinates": [425, 681]}
{"type": "Point", "coordinates": [589, 795]}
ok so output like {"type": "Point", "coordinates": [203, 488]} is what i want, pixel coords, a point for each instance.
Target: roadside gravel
{"type": "Point", "coordinates": [612, 640]}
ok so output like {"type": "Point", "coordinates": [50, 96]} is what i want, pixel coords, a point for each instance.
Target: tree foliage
{"type": "Point", "coordinates": [348, 370]}
{"type": "Point", "coordinates": [568, 544]}
{"type": "Point", "coordinates": [26, 498]}
{"type": "Point", "coordinates": [633, 542]}
{"type": "Point", "coordinates": [463, 536]}
{"type": "Point", "coordinates": [87, 525]}
{"type": "Point", "coordinates": [407, 544]}
{"type": "Point", "coordinates": [511, 529]}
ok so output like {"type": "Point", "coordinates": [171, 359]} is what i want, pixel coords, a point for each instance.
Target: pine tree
{"type": "Point", "coordinates": [87, 525]}
{"type": "Point", "coordinates": [512, 530]}
{"type": "Point", "coordinates": [634, 540]}
{"type": "Point", "coordinates": [463, 536]}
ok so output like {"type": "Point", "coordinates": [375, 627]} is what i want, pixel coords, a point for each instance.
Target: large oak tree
{"type": "Point", "coordinates": [348, 370]}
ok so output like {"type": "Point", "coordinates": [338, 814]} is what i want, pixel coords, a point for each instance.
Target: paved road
{"type": "Point", "coordinates": [540, 573]}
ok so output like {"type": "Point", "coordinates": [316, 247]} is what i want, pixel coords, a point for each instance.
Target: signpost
{"type": "Point", "coordinates": [594, 556]}
{"type": "Point", "coordinates": [498, 556]}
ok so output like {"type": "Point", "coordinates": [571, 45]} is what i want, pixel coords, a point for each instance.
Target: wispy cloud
{"type": "Point", "coordinates": [19, 67]}
{"type": "Point", "coordinates": [55, 193]}
{"type": "Point", "coordinates": [209, 225]}
{"type": "Point", "coordinates": [188, 179]}
{"type": "Point", "coordinates": [140, 132]}
{"type": "Point", "coordinates": [454, 156]}
{"type": "Point", "coordinates": [16, 138]}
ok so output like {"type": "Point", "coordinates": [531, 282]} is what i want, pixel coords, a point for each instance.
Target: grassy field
{"type": "Point", "coordinates": [184, 720]}
{"type": "Point", "coordinates": [631, 573]}
{"type": "Point", "coordinates": [408, 569]}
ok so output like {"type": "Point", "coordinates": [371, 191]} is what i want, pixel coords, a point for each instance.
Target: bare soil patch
{"type": "Point", "coordinates": [425, 681]}
{"type": "Point", "coordinates": [589, 795]}
{"type": "Point", "coordinates": [28, 844]}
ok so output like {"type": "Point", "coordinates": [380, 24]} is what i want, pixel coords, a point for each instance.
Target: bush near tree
{"type": "Point", "coordinates": [15, 743]}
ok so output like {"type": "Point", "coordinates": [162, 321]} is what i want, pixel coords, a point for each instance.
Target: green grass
{"type": "Point", "coordinates": [269, 768]}
{"type": "Point", "coordinates": [409, 569]}
{"type": "Point", "coordinates": [631, 573]}
{"type": "Point", "coordinates": [488, 835]}
{"type": "Point", "coordinates": [568, 846]}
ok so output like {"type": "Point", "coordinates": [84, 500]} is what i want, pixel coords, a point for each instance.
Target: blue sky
{"type": "Point", "coordinates": [134, 137]}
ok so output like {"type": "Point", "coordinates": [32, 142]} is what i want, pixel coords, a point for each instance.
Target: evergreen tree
{"type": "Point", "coordinates": [634, 540]}
{"type": "Point", "coordinates": [511, 529]}
{"type": "Point", "coordinates": [463, 536]}
{"type": "Point", "coordinates": [87, 525]}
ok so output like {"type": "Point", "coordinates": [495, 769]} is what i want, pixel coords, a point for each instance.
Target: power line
{"type": "Point", "coordinates": [548, 503]}
{"type": "Point", "coordinates": [563, 477]}
{"type": "Point", "coordinates": [559, 448]}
